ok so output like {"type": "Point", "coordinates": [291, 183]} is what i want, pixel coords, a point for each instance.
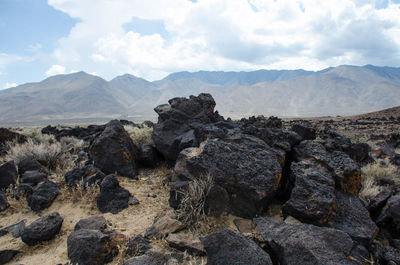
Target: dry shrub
{"type": "Point", "coordinates": [371, 173]}
{"type": "Point", "coordinates": [81, 192]}
{"type": "Point", "coordinates": [140, 135]}
{"type": "Point", "coordinates": [193, 201]}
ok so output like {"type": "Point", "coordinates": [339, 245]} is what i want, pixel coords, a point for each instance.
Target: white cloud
{"type": "Point", "coordinates": [8, 85]}
{"type": "Point", "coordinates": [55, 69]}
{"type": "Point", "coordinates": [228, 35]}
{"type": "Point", "coordinates": [35, 47]}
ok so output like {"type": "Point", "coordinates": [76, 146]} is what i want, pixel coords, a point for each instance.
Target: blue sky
{"type": "Point", "coordinates": [151, 39]}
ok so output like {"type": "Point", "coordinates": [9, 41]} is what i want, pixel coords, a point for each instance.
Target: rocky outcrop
{"type": "Point", "coordinates": [87, 247]}
{"type": "Point", "coordinates": [43, 229]}
{"type": "Point", "coordinates": [43, 196]}
{"type": "Point", "coordinates": [113, 198]}
{"type": "Point", "coordinates": [8, 175]}
{"type": "Point", "coordinates": [227, 247]}
{"type": "Point", "coordinates": [305, 244]}
{"type": "Point", "coordinates": [114, 152]}
{"type": "Point", "coordinates": [181, 124]}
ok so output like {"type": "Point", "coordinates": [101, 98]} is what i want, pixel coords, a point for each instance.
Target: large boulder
{"type": "Point", "coordinates": [352, 217]}
{"type": "Point", "coordinates": [113, 198]}
{"type": "Point", "coordinates": [313, 197]}
{"type": "Point", "coordinates": [8, 175]}
{"type": "Point", "coordinates": [305, 244]}
{"type": "Point", "coordinates": [43, 196]}
{"type": "Point", "coordinates": [180, 124]}
{"type": "Point", "coordinates": [227, 247]}
{"type": "Point", "coordinates": [43, 229]}
{"type": "Point", "coordinates": [113, 151]}
{"type": "Point", "coordinates": [87, 247]}
{"type": "Point", "coordinates": [245, 166]}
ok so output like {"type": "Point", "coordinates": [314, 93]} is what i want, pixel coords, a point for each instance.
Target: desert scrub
{"type": "Point", "coordinates": [139, 135]}
{"type": "Point", "coordinates": [191, 208]}
{"type": "Point", "coordinates": [370, 175]}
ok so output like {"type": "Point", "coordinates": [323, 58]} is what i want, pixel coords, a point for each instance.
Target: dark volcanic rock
{"type": "Point", "coordinates": [391, 255]}
{"type": "Point", "coordinates": [180, 124]}
{"type": "Point", "coordinates": [180, 242]}
{"type": "Point", "coordinates": [113, 151]}
{"type": "Point", "coordinates": [154, 258]}
{"type": "Point", "coordinates": [389, 216]}
{"type": "Point", "coordinates": [29, 164]}
{"type": "Point", "coordinates": [87, 247]}
{"type": "Point", "coordinates": [86, 176]}
{"type": "Point", "coordinates": [3, 201]}
{"type": "Point", "coordinates": [305, 244]}
{"type": "Point", "coordinates": [245, 166]}
{"type": "Point", "coordinates": [163, 227]}
{"type": "Point", "coordinates": [379, 201]}
{"type": "Point", "coordinates": [261, 122]}
{"type": "Point", "coordinates": [8, 136]}
{"type": "Point", "coordinates": [8, 175]}
{"type": "Point", "coordinates": [352, 217]}
{"type": "Point", "coordinates": [33, 177]}
{"type": "Point", "coordinates": [93, 222]}
{"type": "Point", "coordinates": [43, 229]}
{"type": "Point", "coordinates": [43, 196]}
{"type": "Point", "coordinates": [176, 193]}
{"type": "Point", "coordinates": [16, 229]}
{"type": "Point", "coordinates": [305, 133]}
{"type": "Point", "coordinates": [113, 198]}
{"type": "Point", "coordinates": [217, 201]}
{"type": "Point", "coordinates": [228, 247]}
{"type": "Point", "coordinates": [87, 134]}
{"type": "Point", "coordinates": [313, 196]}
{"type": "Point", "coordinates": [7, 255]}
{"type": "Point", "coordinates": [137, 245]}
{"type": "Point", "coordinates": [149, 156]}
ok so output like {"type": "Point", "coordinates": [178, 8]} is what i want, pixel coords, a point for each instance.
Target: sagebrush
{"type": "Point", "coordinates": [139, 135]}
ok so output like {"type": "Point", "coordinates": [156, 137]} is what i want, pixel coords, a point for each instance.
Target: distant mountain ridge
{"type": "Point", "coordinates": [342, 90]}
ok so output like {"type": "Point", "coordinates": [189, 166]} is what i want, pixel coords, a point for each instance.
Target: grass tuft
{"type": "Point", "coordinates": [141, 135]}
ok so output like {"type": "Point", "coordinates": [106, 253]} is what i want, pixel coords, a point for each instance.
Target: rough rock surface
{"type": "Point", "coordinates": [149, 156]}
{"type": "Point", "coordinates": [389, 216]}
{"type": "Point", "coordinates": [113, 151]}
{"type": "Point", "coordinates": [184, 243]}
{"type": "Point", "coordinates": [113, 198]}
{"type": "Point", "coordinates": [29, 164]}
{"type": "Point", "coordinates": [93, 222]}
{"type": "Point", "coordinates": [245, 166]}
{"type": "Point", "coordinates": [16, 229]}
{"type": "Point", "coordinates": [86, 176]}
{"type": "Point", "coordinates": [305, 244]}
{"type": "Point", "coordinates": [154, 258]}
{"type": "Point", "coordinates": [181, 123]}
{"type": "Point", "coordinates": [33, 177]}
{"type": "Point", "coordinates": [8, 175]}
{"type": "Point", "coordinates": [305, 133]}
{"type": "Point", "coordinates": [43, 196]}
{"type": "Point", "coordinates": [87, 247]}
{"type": "Point", "coordinates": [43, 229]}
{"type": "Point", "coordinates": [87, 134]}
{"type": "Point", "coordinates": [3, 201]}
{"type": "Point", "coordinates": [227, 247]}
{"type": "Point", "coordinates": [7, 255]}
{"type": "Point", "coordinates": [137, 245]}
{"type": "Point", "coordinates": [162, 227]}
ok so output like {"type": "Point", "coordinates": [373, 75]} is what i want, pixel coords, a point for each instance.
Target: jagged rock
{"type": "Point", "coordinates": [24, 190]}
{"type": "Point", "coordinates": [137, 245]}
{"type": "Point", "coordinates": [155, 258]}
{"type": "Point", "coordinates": [87, 134]}
{"type": "Point", "coordinates": [113, 151]}
{"type": "Point", "coordinates": [245, 166]}
{"type": "Point", "coordinates": [15, 229]}
{"type": "Point", "coordinates": [43, 196]}
{"type": "Point", "coordinates": [149, 156]}
{"type": "Point", "coordinates": [313, 197]}
{"type": "Point", "coordinates": [113, 198]}
{"type": "Point", "coordinates": [180, 242]}
{"type": "Point", "coordinates": [306, 133]}
{"type": "Point", "coordinates": [29, 164]}
{"type": "Point", "coordinates": [93, 222]}
{"type": "Point", "coordinates": [389, 216]}
{"type": "Point", "coordinates": [228, 247]}
{"type": "Point", "coordinates": [379, 201]}
{"type": "Point", "coordinates": [180, 124]}
{"type": "Point", "coordinates": [305, 244]}
{"type": "Point", "coordinates": [391, 255]}
{"type": "Point", "coordinates": [163, 227]}
{"type": "Point", "coordinates": [3, 201]}
{"type": "Point", "coordinates": [217, 201]}
{"type": "Point", "coordinates": [8, 175]}
{"type": "Point", "coordinates": [352, 217]}
{"type": "Point", "coordinates": [8, 136]}
{"type": "Point", "coordinates": [87, 247]}
{"type": "Point", "coordinates": [7, 255]}
{"type": "Point", "coordinates": [86, 176]}
{"type": "Point", "coordinates": [261, 122]}
{"type": "Point", "coordinates": [33, 177]}
{"type": "Point", "coordinates": [43, 229]}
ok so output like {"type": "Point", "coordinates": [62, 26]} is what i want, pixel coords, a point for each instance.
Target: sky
{"type": "Point", "coordinates": [153, 38]}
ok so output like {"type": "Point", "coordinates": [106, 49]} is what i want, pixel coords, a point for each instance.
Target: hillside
{"type": "Point", "coordinates": [343, 90]}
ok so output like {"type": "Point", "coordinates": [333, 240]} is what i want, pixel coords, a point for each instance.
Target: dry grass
{"type": "Point", "coordinates": [193, 200]}
{"type": "Point", "coordinates": [141, 135]}
{"type": "Point", "coordinates": [371, 173]}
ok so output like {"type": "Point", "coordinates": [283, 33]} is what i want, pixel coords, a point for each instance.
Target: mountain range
{"type": "Point", "coordinates": [342, 90]}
